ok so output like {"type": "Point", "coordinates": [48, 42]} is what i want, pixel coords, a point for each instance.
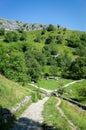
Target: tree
{"type": "Point", "coordinates": [82, 91]}
{"type": "Point", "coordinates": [2, 31]}
{"type": "Point", "coordinates": [59, 39]}
{"type": "Point", "coordinates": [3, 57]}
{"type": "Point", "coordinates": [77, 69]}
{"type": "Point", "coordinates": [83, 37]}
{"type": "Point", "coordinates": [40, 57]}
{"type": "Point", "coordinates": [49, 40]}
{"type": "Point", "coordinates": [53, 70]}
{"type": "Point", "coordinates": [58, 26]}
{"type": "Point", "coordinates": [23, 36]}
{"type": "Point", "coordinates": [43, 31]}
{"type": "Point", "coordinates": [15, 36]}
{"type": "Point", "coordinates": [14, 67]}
{"type": "Point", "coordinates": [50, 27]}
{"type": "Point", "coordinates": [11, 36]}
{"type": "Point", "coordinates": [34, 68]}
{"type": "Point", "coordinates": [73, 42]}
{"type": "Point", "coordinates": [38, 38]}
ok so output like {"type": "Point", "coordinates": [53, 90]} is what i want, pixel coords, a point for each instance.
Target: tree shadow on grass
{"type": "Point", "coordinates": [8, 121]}
{"type": "Point", "coordinates": [24, 123]}
{"type": "Point", "coordinates": [6, 118]}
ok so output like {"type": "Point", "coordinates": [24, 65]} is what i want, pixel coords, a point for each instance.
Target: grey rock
{"type": "Point", "coordinates": [15, 25]}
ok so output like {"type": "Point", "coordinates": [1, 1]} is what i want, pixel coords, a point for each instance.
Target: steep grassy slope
{"type": "Point", "coordinates": [59, 52]}
{"type": "Point", "coordinates": [11, 92]}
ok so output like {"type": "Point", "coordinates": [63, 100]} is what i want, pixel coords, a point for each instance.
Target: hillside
{"type": "Point", "coordinates": [52, 51]}
{"type": "Point", "coordinates": [11, 93]}
{"type": "Point", "coordinates": [30, 53]}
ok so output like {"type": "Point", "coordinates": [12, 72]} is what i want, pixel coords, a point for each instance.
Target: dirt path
{"type": "Point", "coordinates": [42, 89]}
{"type": "Point", "coordinates": [32, 118]}
{"type": "Point", "coordinates": [50, 91]}
{"type": "Point", "coordinates": [72, 83]}
{"type": "Point", "coordinates": [72, 126]}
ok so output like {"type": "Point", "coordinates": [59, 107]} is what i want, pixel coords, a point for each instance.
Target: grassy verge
{"type": "Point", "coordinates": [18, 113]}
{"type": "Point", "coordinates": [77, 116]}
{"type": "Point", "coordinates": [72, 91]}
{"type": "Point", "coordinates": [11, 93]}
{"type": "Point", "coordinates": [52, 84]}
{"type": "Point", "coordinates": [52, 117]}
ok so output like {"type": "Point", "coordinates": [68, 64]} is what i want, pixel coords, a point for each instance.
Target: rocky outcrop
{"type": "Point", "coordinates": [15, 25]}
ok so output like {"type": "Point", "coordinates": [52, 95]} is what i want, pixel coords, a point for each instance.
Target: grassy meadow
{"type": "Point", "coordinates": [52, 117]}
{"type": "Point", "coordinates": [75, 114]}
{"type": "Point", "coordinates": [52, 84]}
{"type": "Point", "coordinates": [74, 94]}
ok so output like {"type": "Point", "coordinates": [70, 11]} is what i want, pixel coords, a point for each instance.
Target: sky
{"type": "Point", "coordinates": [66, 13]}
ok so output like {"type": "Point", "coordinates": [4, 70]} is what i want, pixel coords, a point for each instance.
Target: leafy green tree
{"type": "Point", "coordinates": [2, 31]}
{"type": "Point", "coordinates": [51, 27]}
{"type": "Point", "coordinates": [53, 70]}
{"type": "Point", "coordinates": [50, 61]}
{"type": "Point", "coordinates": [21, 29]}
{"type": "Point", "coordinates": [38, 38]}
{"type": "Point", "coordinates": [34, 68]}
{"type": "Point", "coordinates": [40, 57]}
{"type": "Point", "coordinates": [15, 36]}
{"type": "Point", "coordinates": [82, 91]}
{"type": "Point", "coordinates": [11, 36]}
{"type": "Point", "coordinates": [78, 68]}
{"type": "Point", "coordinates": [3, 57]}
{"type": "Point", "coordinates": [14, 67]}
{"type": "Point", "coordinates": [73, 42]}
{"type": "Point", "coordinates": [53, 49]}
{"type": "Point", "coordinates": [83, 37]}
{"type": "Point", "coordinates": [50, 40]}
{"type": "Point", "coordinates": [59, 39]}
{"type": "Point", "coordinates": [80, 51]}
{"type": "Point", "coordinates": [58, 26]}
{"type": "Point", "coordinates": [23, 36]}
{"type": "Point", "coordinates": [43, 31]}
{"type": "Point", "coordinates": [46, 50]}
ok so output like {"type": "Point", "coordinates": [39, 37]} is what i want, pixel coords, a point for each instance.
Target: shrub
{"type": "Point", "coordinates": [23, 36]}
{"type": "Point", "coordinates": [2, 31]}
{"type": "Point", "coordinates": [50, 27]}
{"type": "Point", "coordinates": [11, 36]}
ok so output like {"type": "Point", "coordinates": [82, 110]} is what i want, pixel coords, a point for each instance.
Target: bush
{"type": "Point", "coordinates": [38, 38]}
{"type": "Point", "coordinates": [49, 40]}
{"type": "Point", "coordinates": [77, 69]}
{"type": "Point", "coordinates": [50, 27]}
{"type": "Point", "coordinates": [2, 31]}
{"type": "Point", "coordinates": [23, 36]}
{"type": "Point", "coordinates": [43, 31]}
{"type": "Point", "coordinates": [11, 36]}
{"type": "Point", "coordinates": [82, 91]}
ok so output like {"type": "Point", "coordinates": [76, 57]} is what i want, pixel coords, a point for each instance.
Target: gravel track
{"type": "Point", "coordinates": [32, 118]}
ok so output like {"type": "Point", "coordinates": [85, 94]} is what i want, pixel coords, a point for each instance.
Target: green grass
{"type": "Point", "coordinates": [74, 94]}
{"type": "Point", "coordinates": [77, 116]}
{"type": "Point", "coordinates": [52, 84]}
{"type": "Point", "coordinates": [11, 92]}
{"type": "Point", "coordinates": [52, 117]}
{"type": "Point", "coordinates": [18, 113]}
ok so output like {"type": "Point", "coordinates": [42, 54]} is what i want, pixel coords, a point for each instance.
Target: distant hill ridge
{"type": "Point", "coordinates": [15, 25]}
